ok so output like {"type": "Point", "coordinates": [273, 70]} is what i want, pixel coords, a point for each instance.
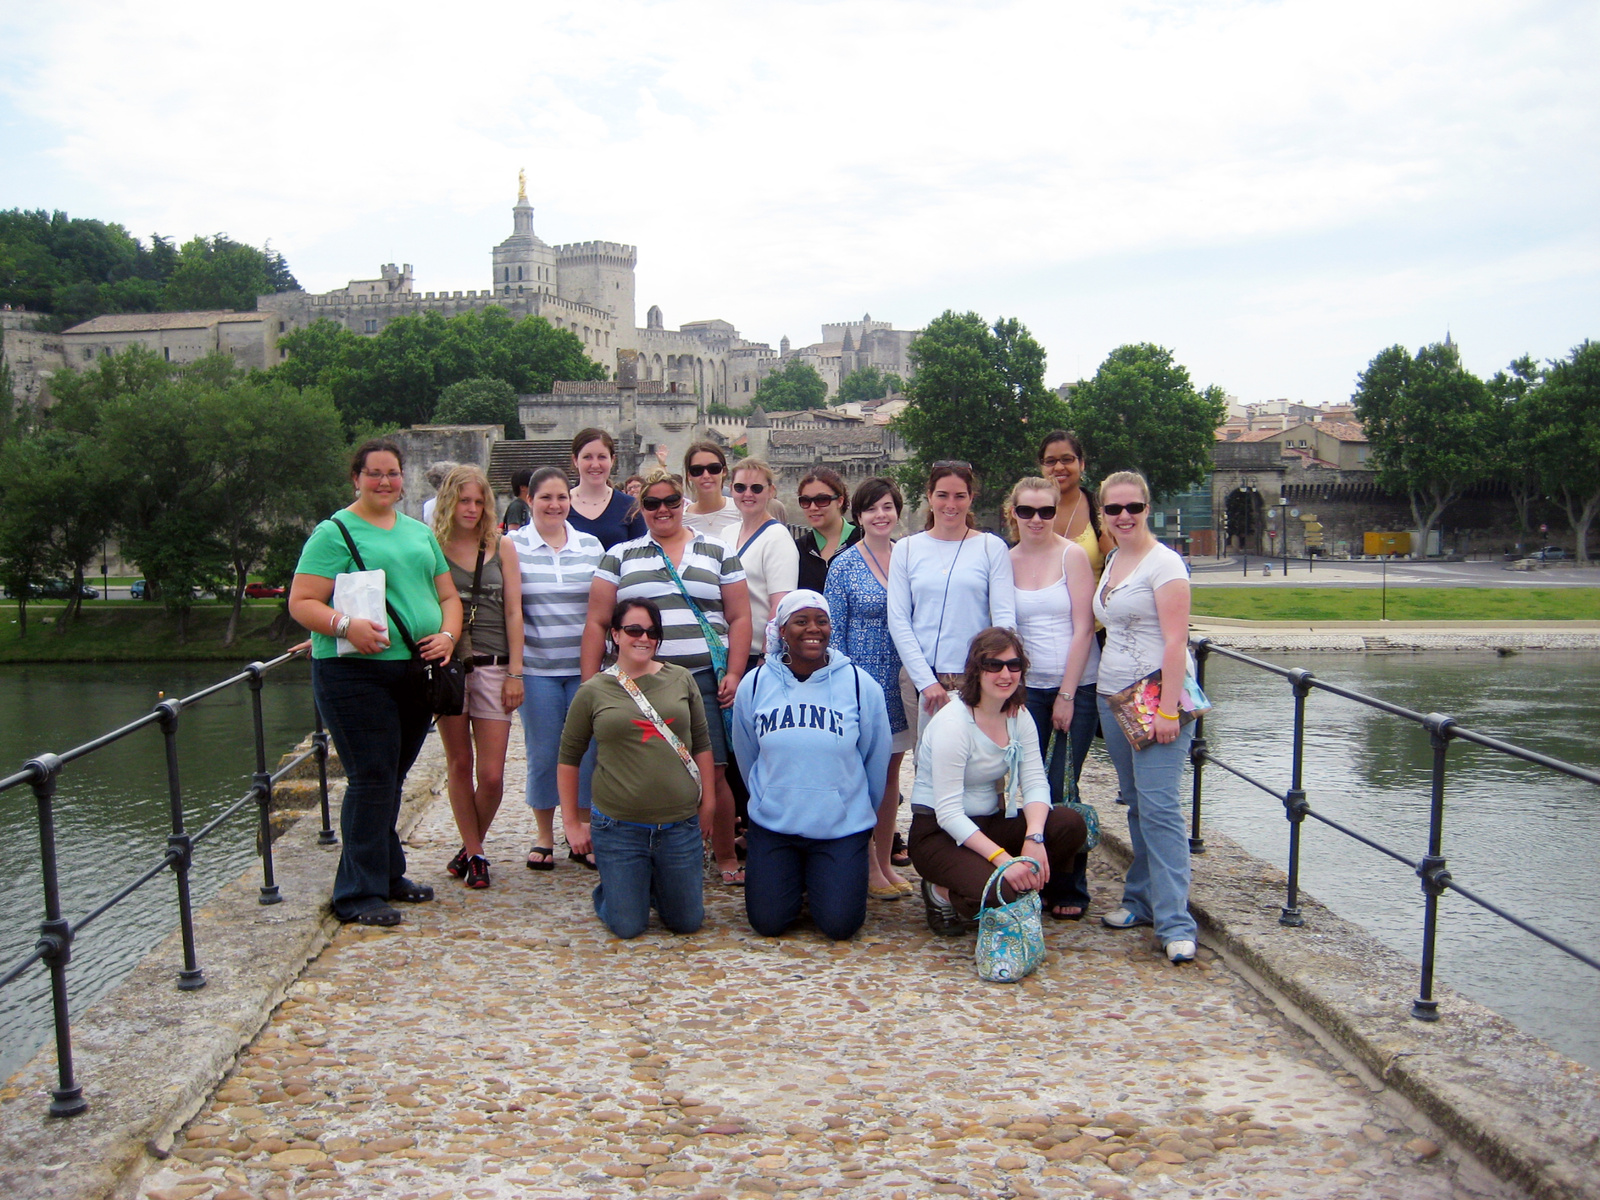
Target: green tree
{"type": "Point", "coordinates": [795, 387]}
{"type": "Point", "coordinates": [479, 402]}
{"type": "Point", "coordinates": [1430, 423]}
{"type": "Point", "coordinates": [868, 383]}
{"type": "Point", "coordinates": [218, 272]}
{"type": "Point", "coordinates": [26, 555]}
{"type": "Point", "coordinates": [1512, 432]}
{"type": "Point", "coordinates": [978, 395]}
{"type": "Point", "coordinates": [1141, 412]}
{"type": "Point", "coordinates": [1565, 414]}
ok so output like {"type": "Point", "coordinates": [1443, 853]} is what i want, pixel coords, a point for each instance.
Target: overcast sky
{"type": "Point", "coordinates": [1276, 191]}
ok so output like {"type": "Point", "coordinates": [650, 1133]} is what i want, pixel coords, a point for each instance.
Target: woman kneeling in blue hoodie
{"type": "Point", "coordinates": [811, 734]}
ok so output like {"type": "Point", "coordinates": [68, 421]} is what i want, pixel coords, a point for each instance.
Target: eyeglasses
{"type": "Point", "coordinates": [1116, 510]}
{"type": "Point", "coordinates": [651, 503]}
{"type": "Point", "coordinates": [1028, 512]}
{"type": "Point", "coordinates": [991, 666]}
{"type": "Point", "coordinates": [700, 469]}
{"type": "Point", "coordinates": [1065, 460]}
{"type": "Point", "coordinates": [755, 489]}
{"type": "Point", "coordinates": [821, 500]}
{"type": "Point", "coordinates": [391, 476]}
{"type": "Point", "coordinates": [640, 631]}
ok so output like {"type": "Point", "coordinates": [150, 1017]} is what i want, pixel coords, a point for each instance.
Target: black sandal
{"type": "Point", "coordinates": [547, 863]}
{"type": "Point", "coordinates": [407, 892]}
{"type": "Point", "coordinates": [899, 856]}
{"type": "Point", "coordinates": [383, 915]}
{"type": "Point", "coordinates": [586, 859]}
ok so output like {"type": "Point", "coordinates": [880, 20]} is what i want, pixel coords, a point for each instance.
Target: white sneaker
{"type": "Point", "coordinates": [1121, 918]}
{"type": "Point", "coordinates": [1180, 951]}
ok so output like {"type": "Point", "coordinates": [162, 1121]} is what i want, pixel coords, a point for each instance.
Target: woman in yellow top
{"type": "Point", "coordinates": [1077, 517]}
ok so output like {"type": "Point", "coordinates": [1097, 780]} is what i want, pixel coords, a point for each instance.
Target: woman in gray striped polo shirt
{"type": "Point", "coordinates": [712, 576]}
{"type": "Point", "coordinates": [557, 563]}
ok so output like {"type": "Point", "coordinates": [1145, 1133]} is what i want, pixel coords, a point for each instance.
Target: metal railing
{"type": "Point", "coordinates": [56, 933]}
{"type": "Point", "coordinates": [1431, 868]}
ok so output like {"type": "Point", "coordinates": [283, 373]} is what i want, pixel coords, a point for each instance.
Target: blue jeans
{"type": "Point", "coordinates": [378, 718]}
{"type": "Point", "coordinates": [1041, 704]}
{"type": "Point", "coordinates": [1157, 885]}
{"type": "Point", "coordinates": [545, 700]}
{"type": "Point", "coordinates": [647, 866]}
{"type": "Point", "coordinates": [782, 869]}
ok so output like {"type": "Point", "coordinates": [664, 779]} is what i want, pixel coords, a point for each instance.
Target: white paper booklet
{"type": "Point", "coordinates": [360, 594]}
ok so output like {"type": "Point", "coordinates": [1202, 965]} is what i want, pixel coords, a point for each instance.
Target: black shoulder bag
{"type": "Point", "coordinates": [443, 684]}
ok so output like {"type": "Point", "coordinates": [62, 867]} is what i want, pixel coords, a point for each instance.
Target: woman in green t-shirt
{"type": "Point", "coordinates": [374, 708]}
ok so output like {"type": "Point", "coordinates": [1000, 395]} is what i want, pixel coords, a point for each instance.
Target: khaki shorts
{"type": "Point", "coordinates": [486, 694]}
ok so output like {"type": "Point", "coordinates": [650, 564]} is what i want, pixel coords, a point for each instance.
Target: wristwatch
{"type": "Point", "coordinates": [1035, 837]}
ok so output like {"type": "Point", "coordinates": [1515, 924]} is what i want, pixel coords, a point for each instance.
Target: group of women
{"type": "Point", "coordinates": [651, 641]}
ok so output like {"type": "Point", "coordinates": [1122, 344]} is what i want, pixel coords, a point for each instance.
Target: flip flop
{"type": "Point", "coordinates": [733, 878]}
{"type": "Point", "coordinates": [547, 863]}
{"type": "Point", "coordinates": [1057, 915]}
{"type": "Point", "coordinates": [887, 891]}
{"type": "Point", "coordinates": [586, 859]}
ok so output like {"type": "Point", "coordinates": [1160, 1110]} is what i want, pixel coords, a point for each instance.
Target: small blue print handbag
{"type": "Point", "coordinates": [1010, 936]}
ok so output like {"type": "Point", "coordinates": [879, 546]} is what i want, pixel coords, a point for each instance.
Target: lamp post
{"type": "Point", "coordinates": [1283, 531]}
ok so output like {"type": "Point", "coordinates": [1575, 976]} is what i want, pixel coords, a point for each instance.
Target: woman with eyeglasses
{"type": "Point", "coordinates": [766, 552]}
{"type": "Point", "coordinates": [706, 468]}
{"type": "Point", "coordinates": [652, 780]}
{"type": "Point", "coordinates": [1077, 517]}
{"type": "Point", "coordinates": [1055, 616]}
{"type": "Point", "coordinates": [812, 738]}
{"type": "Point", "coordinates": [981, 799]}
{"type": "Point", "coordinates": [556, 561]}
{"type": "Point", "coordinates": [858, 596]}
{"type": "Point", "coordinates": [945, 584]}
{"type": "Point", "coordinates": [1143, 601]}
{"type": "Point", "coordinates": [361, 673]}
{"type": "Point", "coordinates": [822, 497]}
{"type": "Point", "coordinates": [598, 509]}
{"type": "Point", "coordinates": [698, 584]}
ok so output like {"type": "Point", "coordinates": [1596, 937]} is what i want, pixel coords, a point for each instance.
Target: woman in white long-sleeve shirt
{"type": "Point", "coordinates": [981, 798]}
{"type": "Point", "coordinates": [946, 584]}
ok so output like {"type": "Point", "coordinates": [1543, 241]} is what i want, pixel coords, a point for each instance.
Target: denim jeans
{"type": "Point", "coordinates": [545, 700]}
{"type": "Point", "coordinates": [644, 867]}
{"type": "Point", "coordinates": [782, 869]}
{"type": "Point", "coordinates": [1157, 884]}
{"type": "Point", "coordinates": [1041, 704]}
{"type": "Point", "coordinates": [378, 718]}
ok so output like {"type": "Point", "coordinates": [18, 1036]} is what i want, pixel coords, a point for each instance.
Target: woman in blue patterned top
{"type": "Point", "coordinates": [858, 595]}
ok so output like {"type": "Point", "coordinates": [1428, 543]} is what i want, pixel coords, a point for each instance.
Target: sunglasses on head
{"type": "Point", "coordinates": [755, 489]}
{"type": "Point", "coordinates": [699, 469]}
{"type": "Point", "coordinates": [639, 631]}
{"type": "Point", "coordinates": [651, 503]}
{"type": "Point", "coordinates": [1116, 510]}
{"type": "Point", "coordinates": [818, 501]}
{"type": "Point", "coordinates": [1028, 512]}
{"type": "Point", "coordinates": [991, 666]}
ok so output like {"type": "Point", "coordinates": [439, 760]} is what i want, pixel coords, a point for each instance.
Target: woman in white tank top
{"type": "Point", "coordinates": [1054, 597]}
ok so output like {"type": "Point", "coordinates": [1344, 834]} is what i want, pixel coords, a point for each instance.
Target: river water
{"type": "Point", "coordinates": [1524, 838]}
{"type": "Point", "coordinates": [113, 817]}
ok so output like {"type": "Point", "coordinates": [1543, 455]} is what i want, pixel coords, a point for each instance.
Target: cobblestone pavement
{"type": "Point", "coordinates": [500, 1043]}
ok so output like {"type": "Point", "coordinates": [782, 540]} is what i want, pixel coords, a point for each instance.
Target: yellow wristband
{"type": "Point", "coordinates": [999, 850]}
{"type": "Point", "coordinates": [1166, 715]}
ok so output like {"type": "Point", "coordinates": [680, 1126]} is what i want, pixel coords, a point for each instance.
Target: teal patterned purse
{"type": "Point", "coordinates": [1091, 818]}
{"type": "Point", "coordinates": [1010, 936]}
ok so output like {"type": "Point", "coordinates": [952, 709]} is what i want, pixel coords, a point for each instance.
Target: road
{"type": "Point", "coordinates": [1230, 572]}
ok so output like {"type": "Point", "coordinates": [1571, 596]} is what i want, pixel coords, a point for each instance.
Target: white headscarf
{"type": "Point", "coordinates": [787, 607]}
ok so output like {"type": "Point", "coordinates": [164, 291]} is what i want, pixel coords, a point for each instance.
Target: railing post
{"type": "Point", "coordinates": [180, 848]}
{"type": "Point", "coordinates": [319, 741]}
{"type": "Point", "coordinates": [262, 786]}
{"type": "Point", "coordinates": [1197, 749]}
{"type": "Point", "coordinates": [55, 939]}
{"type": "Point", "coordinates": [1294, 801]}
{"type": "Point", "coordinates": [1431, 870]}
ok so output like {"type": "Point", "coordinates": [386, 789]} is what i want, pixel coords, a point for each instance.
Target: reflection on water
{"type": "Point", "coordinates": [1522, 837]}
{"type": "Point", "coordinates": [112, 815]}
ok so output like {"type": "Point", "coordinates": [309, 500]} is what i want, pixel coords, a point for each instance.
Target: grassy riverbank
{"type": "Point", "coordinates": [1404, 604]}
{"type": "Point", "coordinates": [130, 631]}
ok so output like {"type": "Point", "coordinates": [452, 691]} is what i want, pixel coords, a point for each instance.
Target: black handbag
{"type": "Point", "coordinates": [443, 683]}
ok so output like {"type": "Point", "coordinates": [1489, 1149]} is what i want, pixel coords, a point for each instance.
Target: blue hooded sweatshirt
{"type": "Point", "coordinates": [814, 753]}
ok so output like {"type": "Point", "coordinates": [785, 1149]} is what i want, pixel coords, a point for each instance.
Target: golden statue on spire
{"type": "Point", "coordinates": [522, 186]}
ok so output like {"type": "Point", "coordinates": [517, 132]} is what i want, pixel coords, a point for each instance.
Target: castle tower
{"type": "Point", "coordinates": [522, 263]}
{"type": "Point", "coordinates": [600, 274]}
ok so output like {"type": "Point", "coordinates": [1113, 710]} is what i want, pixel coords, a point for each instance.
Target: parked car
{"type": "Point", "coordinates": [61, 589]}
{"type": "Point", "coordinates": [1551, 553]}
{"type": "Point", "coordinates": [34, 591]}
{"type": "Point", "coordinates": [137, 590]}
{"type": "Point", "coordinates": [262, 591]}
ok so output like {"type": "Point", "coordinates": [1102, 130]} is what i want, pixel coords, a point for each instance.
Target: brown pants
{"type": "Point", "coordinates": [940, 859]}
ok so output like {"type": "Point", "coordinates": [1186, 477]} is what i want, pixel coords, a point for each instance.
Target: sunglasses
{"type": "Point", "coordinates": [639, 631]}
{"type": "Point", "coordinates": [1028, 512]}
{"type": "Point", "coordinates": [1116, 510]}
{"type": "Point", "coordinates": [819, 501]}
{"type": "Point", "coordinates": [946, 464]}
{"type": "Point", "coordinates": [755, 489]}
{"type": "Point", "coordinates": [651, 503]}
{"type": "Point", "coordinates": [991, 666]}
{"type": "Point", "coordinates": [700, 469]}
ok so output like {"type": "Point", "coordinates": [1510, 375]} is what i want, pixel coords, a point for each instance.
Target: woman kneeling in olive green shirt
{"type": "Point", "coordinates": [650, 793]}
